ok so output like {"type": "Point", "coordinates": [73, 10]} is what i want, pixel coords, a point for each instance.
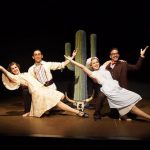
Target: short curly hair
{"type": "Point", "coordinates": [11, 64]}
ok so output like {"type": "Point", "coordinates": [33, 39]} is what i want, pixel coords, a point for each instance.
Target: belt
{"type": "Point", "coordinates": [48, 83]}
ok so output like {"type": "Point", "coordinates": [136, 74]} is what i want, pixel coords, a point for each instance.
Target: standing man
{"type": "Point", "coordinates": [118, 70]}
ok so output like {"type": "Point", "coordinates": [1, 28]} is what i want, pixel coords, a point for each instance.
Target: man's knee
{"type": "Point", "coordinates": [113, 113]}
{"type": "Point", "coordinates": [101, 96]}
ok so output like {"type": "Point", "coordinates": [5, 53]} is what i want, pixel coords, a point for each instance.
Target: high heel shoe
{"type": "Point", "coordinates": [82, 114]}
{"type": "Point", "coordinates": [96, 116]}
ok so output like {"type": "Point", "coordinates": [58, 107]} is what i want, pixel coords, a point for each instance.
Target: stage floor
{"type": "Point", "coordinates": [61, 125]}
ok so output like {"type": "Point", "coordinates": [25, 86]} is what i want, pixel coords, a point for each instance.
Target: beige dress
{"type": "Point", "coordinates": [43, 98]}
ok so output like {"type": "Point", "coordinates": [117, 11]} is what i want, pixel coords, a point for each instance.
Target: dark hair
{"type": "Point", "coordinates": [37, 50]}
{"type": "Point", "coordinates": [114, 48]}
{"type": "Point", "coordinates": [11, 64]}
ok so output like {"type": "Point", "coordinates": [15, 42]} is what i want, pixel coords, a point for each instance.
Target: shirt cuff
{"type": "Point", "coordinates": [62, 65]}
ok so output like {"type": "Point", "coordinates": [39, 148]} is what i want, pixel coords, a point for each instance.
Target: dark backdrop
{"type": "Point", "coordinates": [25, 26]}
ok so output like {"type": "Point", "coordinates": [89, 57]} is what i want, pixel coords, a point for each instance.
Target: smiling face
{"type": "Point", "coordinates": [95, 64]}
{"type": "Point", "coordinates": [37, 56]}
{"type": "Point", "coordinates": [15, 69]}
{"type": "Point", "coordinates": [114, 55]}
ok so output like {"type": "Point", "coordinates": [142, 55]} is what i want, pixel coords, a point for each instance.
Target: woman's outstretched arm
{"type": "Point", "coordinates": [9, 75]}
{"type": "Point", "coordinates": [84, 68]}
{"type": "Point", "coordinates": [3, 70]}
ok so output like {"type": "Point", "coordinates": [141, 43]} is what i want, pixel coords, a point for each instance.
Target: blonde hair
{"type": "Point", "coordinates": [89, 60]}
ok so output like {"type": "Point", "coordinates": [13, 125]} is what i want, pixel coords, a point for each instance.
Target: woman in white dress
{"type": "Point", "coordinates": [43, 98]}
{"type": "Point", "coordinates": [118, 97]}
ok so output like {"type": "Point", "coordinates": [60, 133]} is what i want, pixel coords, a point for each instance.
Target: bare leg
{"type": "Point", "coordinates": [139, 112]}
{"type": "Point", "coordinates": [63, 106]}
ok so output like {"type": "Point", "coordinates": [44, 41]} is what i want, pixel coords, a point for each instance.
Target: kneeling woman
{"type": "Point", "coordinates": [118, 97]}
{"type": "Point", "coordinates": [43, 98]}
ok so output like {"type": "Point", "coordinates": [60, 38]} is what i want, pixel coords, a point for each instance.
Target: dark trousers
{"type": "Point", "coordinates": [26, 99]}
{"type": "Point", "coordinates": [99, 98]}
{"type": "Point", "coordinates": [99, 101]}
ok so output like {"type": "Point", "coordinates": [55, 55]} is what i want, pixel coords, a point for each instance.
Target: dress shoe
{"type": "Point", "coordinates": [97, 116]}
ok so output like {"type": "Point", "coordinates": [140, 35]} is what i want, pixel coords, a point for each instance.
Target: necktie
{"type": "Point", "coordinates": [40, 74]}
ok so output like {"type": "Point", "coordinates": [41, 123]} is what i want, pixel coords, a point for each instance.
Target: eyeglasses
{"type": "Point", "coordinates": [114, 53]}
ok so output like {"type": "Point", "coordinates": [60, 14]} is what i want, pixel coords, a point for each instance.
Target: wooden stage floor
{"type": "Point", "coordinates": [63, 128]}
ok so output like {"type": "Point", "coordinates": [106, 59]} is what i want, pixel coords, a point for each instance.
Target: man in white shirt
{"type": "Point", "coordinates": [41, 70]}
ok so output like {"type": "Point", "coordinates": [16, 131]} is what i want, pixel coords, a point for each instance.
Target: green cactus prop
{"type": "Point", "coordinates": [93, 44]}
{"type": "Point", "coordinates": [68, 53]}
{"type": "Point", "coordinates": [80, 86]}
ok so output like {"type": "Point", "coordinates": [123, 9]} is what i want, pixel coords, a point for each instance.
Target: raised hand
{"type": "Point", "coordinates": [142, 52]}
{"type": "Point", "coordinates": [69, 59]}
{"type": "Point", "coordinates": [74, 52]}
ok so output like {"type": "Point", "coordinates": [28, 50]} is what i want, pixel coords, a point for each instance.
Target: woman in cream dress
{"type": "Point", "coordinates": [43, 98]}
{"type": "Point", "coordinates": [118, 97]}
